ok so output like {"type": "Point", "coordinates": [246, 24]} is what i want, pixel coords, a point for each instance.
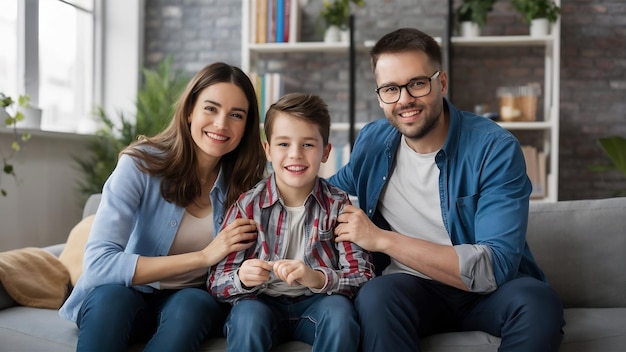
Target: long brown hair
{"type": "Point", "coordinates": [176, 161]}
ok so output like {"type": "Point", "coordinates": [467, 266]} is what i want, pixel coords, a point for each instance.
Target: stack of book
{"type": "Point", "coordinates": [274, 21]}
{"type": "Point", "coordinates": [536, 170]}
{"type": "Point", "coordinates": [270, 87]}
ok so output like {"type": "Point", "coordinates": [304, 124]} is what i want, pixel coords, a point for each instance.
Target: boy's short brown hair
{"type": "Point", "coordinates": [307, 107]}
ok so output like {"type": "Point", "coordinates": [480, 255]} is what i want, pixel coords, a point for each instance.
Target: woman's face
{"type": "Point", "coordinates": [218, 119]}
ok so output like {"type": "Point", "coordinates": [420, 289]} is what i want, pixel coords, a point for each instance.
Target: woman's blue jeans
{"type": "Point", "coordinates": [328, 322]}
{"type": "Point", "coordinates": [395, 310]}
{"type": "Point", "coordinates": [112, 316]}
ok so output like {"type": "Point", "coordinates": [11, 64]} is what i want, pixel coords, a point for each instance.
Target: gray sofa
{"type": "Point", "coordinates": [579, 244]}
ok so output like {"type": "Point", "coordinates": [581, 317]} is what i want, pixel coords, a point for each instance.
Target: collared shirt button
{"type": "Point", "coordinates": [384, 178]}
{"type": "Point", "coordinates": [220, 220]}
{"type": "Point", "coordinates": [369, 211]}
{"type": "Point", "coordinates": [173, 223]}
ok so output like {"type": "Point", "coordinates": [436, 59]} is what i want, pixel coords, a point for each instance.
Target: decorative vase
{"type": "Point", "coordinates": [3, 115]}
{"type": "Point", "coordinates": [539, 27]}
{"type": "Point", "coordinates": [332, 34]}
{"type": "Point", "coordinates": [344, 35]}
{"type": "Point", "coordinates": [32, 118]}
{"type": "Point", "coordinates": [470, 29]}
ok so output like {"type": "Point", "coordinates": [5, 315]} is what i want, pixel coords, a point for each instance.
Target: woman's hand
{"type": "Point", "coordinates": [254, 272]}
{"type": "Point", "coordinates": [236, 236]}
{"type": "Point", "coordinates": [292, 271]}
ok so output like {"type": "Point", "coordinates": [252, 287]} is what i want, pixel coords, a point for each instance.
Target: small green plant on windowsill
{"type": "Point", "coordinates": [615, 148]}
{"type": "Point", "coordinates": [155, 101]}
{"type": "Point", "coordinates": [535, 9]}
{"type": "Point", "coordinates": [337, 12]}
{"type": "Point", "coordinates": [11, 114]}
{"type": "Point", "coordinates": [475, 11]}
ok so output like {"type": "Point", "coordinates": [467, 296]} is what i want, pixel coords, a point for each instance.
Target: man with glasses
{"type": "Point", "coordinates": [444, 195]}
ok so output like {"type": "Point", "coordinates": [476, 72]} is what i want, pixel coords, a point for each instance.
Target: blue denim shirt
{"type": "Point", "coordinates": [483, 188]}
{"type": "Point", "coordinates": [133, 219]}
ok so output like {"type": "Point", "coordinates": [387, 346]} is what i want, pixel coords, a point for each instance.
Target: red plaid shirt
{"type": "Point", "coordinates": [346, 266]}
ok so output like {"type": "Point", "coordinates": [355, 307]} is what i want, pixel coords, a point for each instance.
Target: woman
{"type": "Point", "coordinates": [156, 230]}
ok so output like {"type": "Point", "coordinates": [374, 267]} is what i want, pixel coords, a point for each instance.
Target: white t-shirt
{"type": "Point", "coordinates": [295, 250]}
{"type": "Point", "coordinates": [410, 201]}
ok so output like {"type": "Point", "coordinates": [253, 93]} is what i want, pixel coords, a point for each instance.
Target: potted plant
{"type": "Point", "coordinates": [10, 112]}
{"type": "Point", "coordinates": [155, 107]}
{"type": "Point", "coordinates": [472, 15]}
{"type": "Point", "coordinates": [336, 14]}
{"type": "Point", "coordinates": [615, 148]}
{"type": "Point", "coordinates": [538, 13]}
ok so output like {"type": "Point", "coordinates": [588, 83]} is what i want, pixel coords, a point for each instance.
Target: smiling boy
{"type": "Point", "coordinates": [296, 282]}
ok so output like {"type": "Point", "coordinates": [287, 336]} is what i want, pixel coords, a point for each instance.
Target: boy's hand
{"type": "Point", "coordinates": [292, 271]}
{"type": "Point", "coordinates": [254, 272]}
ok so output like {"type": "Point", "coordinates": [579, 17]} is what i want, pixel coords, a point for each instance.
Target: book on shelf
{"type": "Point", "coordinates": [271, 21]}
{"type": "Point", "coordinates": [536, 170]}
{"type": "Point", "coordinates": [338, 157]}
{"type": "Point", "coordinates": [261, 21]}
{"type": "Point", "coordinates": [274, 21]}
{"type": "Point", "coordinates": [270, 87]}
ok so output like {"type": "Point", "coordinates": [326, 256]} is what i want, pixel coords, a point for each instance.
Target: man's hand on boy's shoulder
{"type": "Point", "coordinates": [356, 227]}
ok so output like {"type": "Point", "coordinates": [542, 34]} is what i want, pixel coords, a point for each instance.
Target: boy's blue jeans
{"type": "Point", "coordinates": [328, 323]}
{"type": "Point", "coordinates": [112, 316]}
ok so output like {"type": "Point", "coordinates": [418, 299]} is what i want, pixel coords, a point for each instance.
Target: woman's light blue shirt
{"type": "Point", "coordinates": [133, 219]}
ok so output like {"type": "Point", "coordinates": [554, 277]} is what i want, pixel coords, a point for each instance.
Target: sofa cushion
{"type": "Point", "coordinates": [72, 255]}
{"type": "Point", "coordinates": [580, 246]}
{"type": "Point", "coordinates": [594, 329]}
{"type": "Point", "coordinates": [34, 277]}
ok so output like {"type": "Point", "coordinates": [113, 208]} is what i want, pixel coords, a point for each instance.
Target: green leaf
{"type": "Point", "coordinates": [8, 169]}
{"type": "Point", "coordinates": [155, 102]}
{"type": "Point", "coordinates": [615, 148]}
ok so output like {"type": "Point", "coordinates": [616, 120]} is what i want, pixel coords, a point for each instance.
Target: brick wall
{"type": "Point", "coordinates": [593, 65]}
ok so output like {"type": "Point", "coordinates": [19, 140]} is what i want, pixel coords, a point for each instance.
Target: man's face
{"type": "Point", "coordinates": [415, 118]}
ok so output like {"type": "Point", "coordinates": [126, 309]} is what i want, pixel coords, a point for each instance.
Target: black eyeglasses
{"type": "Point", "coordinates": [416, 88]}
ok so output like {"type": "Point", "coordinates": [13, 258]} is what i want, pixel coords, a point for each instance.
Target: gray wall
{"type": "Point", "coordinates": [593, 65]}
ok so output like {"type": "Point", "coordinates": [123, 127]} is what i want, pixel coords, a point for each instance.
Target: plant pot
{"type": "Point", "coordinates": [539, 27]}
{"type": "Point", "coordinates": [32, 118]}
{"type": "Point", "coordinates": [344, 35]}
{"type": "Point", "coordinates": [3, 116]}
{"type": "Point", "coordinates": [470, 29]}
{"type": "Point", "coordinates": [332, 34]}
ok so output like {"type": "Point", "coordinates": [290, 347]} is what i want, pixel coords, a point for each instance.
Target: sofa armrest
{"type": "Point", "coordinates": [91, 205]}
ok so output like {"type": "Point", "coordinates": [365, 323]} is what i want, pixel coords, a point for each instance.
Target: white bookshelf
{"type": "Point", "coordinates": [252, 52]}
{"type": "Point", "coordinates": [549, 126]}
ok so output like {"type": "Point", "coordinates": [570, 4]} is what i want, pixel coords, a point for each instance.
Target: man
{"type": "Point", "coordinates": [445, 195]}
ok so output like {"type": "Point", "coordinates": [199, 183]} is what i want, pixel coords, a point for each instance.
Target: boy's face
{"type": "Point", "coordinates": [296, 151]}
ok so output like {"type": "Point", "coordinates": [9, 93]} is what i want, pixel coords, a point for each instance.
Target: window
{"type": "Point", "coordinates": [49, 55]}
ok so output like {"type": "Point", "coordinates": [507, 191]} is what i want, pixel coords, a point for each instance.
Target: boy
{"type": "Point", "coordinates": [296, 282]}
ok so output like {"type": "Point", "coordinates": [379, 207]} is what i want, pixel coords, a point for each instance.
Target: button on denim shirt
{"type": "Point", "coordinates": [133, 219]}
{"type": "Point", "coordinates": [483, 188]}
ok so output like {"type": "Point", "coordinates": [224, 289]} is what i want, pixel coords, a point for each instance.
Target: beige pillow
{"type": "Point", "coordinates": [72, 255]}
{"type": "Point", "coordinates": [34, 277]}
